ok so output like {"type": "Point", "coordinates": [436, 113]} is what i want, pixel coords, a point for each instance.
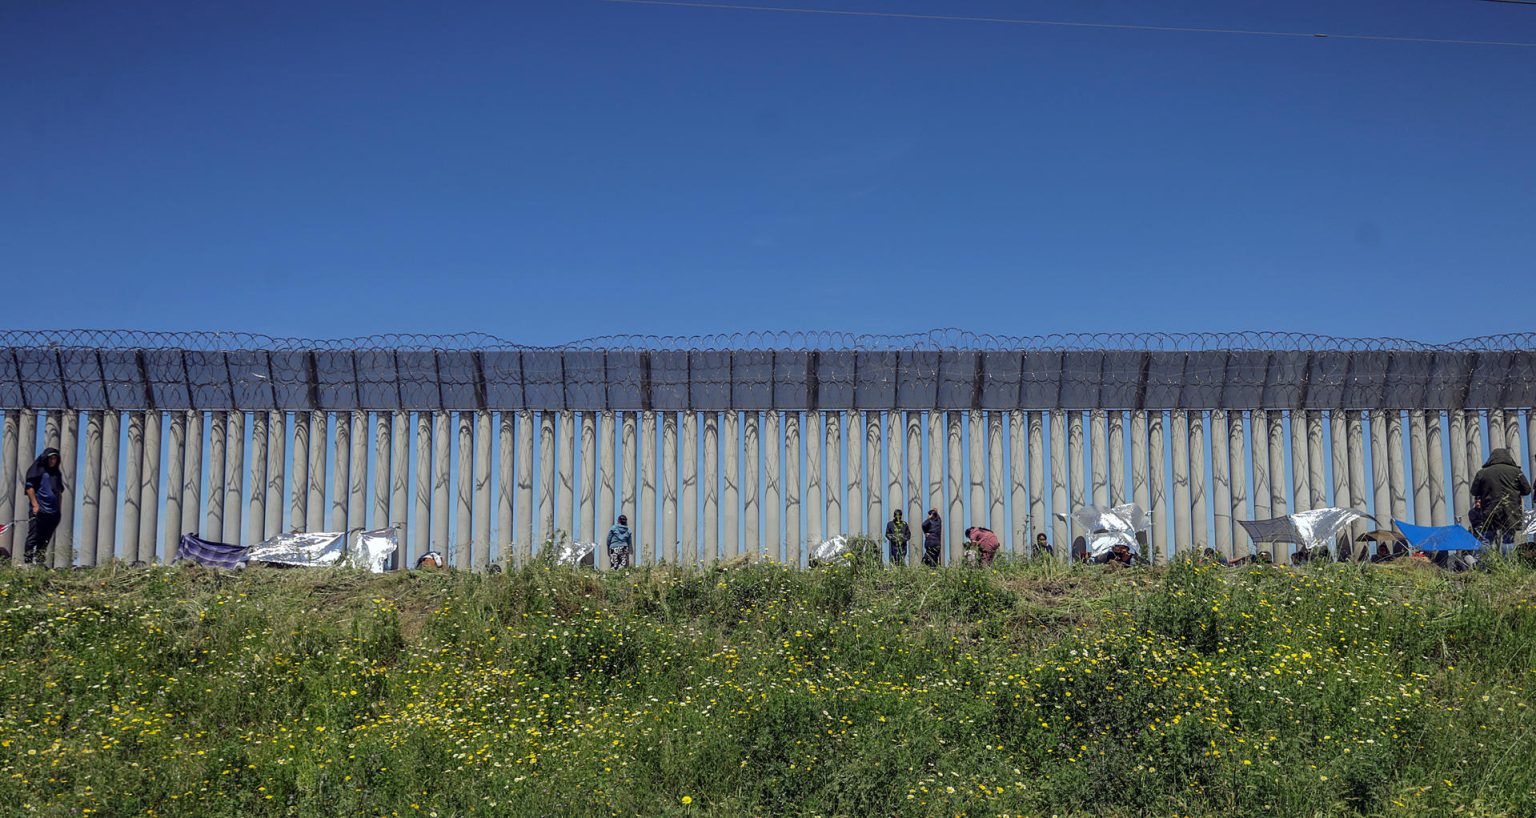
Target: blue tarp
{"type": "Point", "coordinates": [211, 554]}
{"type": "Point", "coordinates": [1438, 538]}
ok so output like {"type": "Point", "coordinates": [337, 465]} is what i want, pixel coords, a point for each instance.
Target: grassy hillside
{"type": "Point", "coordinates": [1027, 690]}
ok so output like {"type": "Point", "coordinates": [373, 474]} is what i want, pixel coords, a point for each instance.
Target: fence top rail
{"type": "Point", "coordinates": [948, 339]}
{"type": "Point", "coordinates": [942, 369]}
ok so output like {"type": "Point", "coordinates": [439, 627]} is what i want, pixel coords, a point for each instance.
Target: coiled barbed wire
{"type": "Point", "coordinates": [947, 339]}
{"type": "Point", "coordinates": [133, 369]}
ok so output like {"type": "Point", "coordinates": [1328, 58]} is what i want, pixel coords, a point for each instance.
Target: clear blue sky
{"type": "Point", "coordinates": [553, 169]}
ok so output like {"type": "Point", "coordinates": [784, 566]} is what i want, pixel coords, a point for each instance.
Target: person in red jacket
{"type": "Point", "coordinates": [986, 543]}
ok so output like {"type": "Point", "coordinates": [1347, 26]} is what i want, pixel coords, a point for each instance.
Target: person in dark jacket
{"type": "Point", "coordinates": [1496, 493]}
{"type": "Point", "coordinates": [933, 539]}
{"type": "Point", "coordinates": [897, 535]}
{"type": "Point", "coordinates": [45, 492]}
{"type": "Point", "coordinates": [1043, 546]}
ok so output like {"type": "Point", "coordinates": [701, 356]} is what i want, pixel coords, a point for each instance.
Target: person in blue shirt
{"type": "Point", "coordinates": [45, 492]}
{"type": "Point", "coordinates": [621, 544]}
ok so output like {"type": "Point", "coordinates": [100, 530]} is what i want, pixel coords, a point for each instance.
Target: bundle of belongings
{"type": "Point", "coordinates": [367, 551]}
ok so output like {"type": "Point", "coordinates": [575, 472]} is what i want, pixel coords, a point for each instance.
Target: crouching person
{"type": "Point", "coordinates": [1120, 556]}
{"type": "Point", "coordinates": [621, 544]}
{"type": "Point", "coordinates": [986, 543]}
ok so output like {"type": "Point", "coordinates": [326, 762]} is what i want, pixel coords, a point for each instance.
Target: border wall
{"type": "Point", "coordinates": [761, 444]}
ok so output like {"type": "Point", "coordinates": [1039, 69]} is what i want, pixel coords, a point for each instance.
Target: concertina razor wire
{"type": "Point", "coordinates": [948, 369]}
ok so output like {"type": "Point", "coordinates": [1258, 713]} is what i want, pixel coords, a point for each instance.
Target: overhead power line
{"type": "Point", "coordinates": [1020, 21]}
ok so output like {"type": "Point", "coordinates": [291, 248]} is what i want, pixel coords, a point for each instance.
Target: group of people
{"type": "Point", "coordinates": [981, 543]}
{"type": "Point", "coordinates": [1496, 516]}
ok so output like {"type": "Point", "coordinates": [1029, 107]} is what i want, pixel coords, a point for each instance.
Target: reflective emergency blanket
{"type": "Point", "coordinates": [575, 553]}
{"type": "Point", "coordinates": [1126, 517]}
{"type": "Point", "coordinates": [1105, 526]}
{"type": "Point", "coordinates": [1105, 542]}
{"type": "Point", "coordinates": [313, 549]}
{"type": "Point", "coordinates": [1309, 528]}
{"type": "Point", "coordinates": [371, 550]}
{"type": "Point", "coordinates": [1528, 526]}
{"type": "Point", "coordinates": [210, 553]}
{"type": "Point", "coordinates": [831, 550]}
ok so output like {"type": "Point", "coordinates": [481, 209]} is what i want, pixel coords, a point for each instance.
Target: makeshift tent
{"type": "Point", "coordinates": [1381, 535]}
{"type": "Point", "coordinates": [313, 549]}
{"type": "Point", "coordinates": [1394, 542]}
{"type": "Point", "coordinates": [1109, 525]}
{"type": "Point", "coordinates": [1124, 517]}
{"type": "Point", "coordinates": [371, 550]}
{"type": "Point", "coordinates": [1309, 529]}
{"type": "Point", "coordinates": [1439, 537]}
{"type": "Point", "coordinates": [210, 553]}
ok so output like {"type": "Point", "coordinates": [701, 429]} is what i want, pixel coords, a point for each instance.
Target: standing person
{"type": "Point", "coordinates": [897, 535]}
{"type": "Point", "coordinates": [986, 543]}
{"type": "Point", "coordinates": [933, 539]}
{"type": "Point", "coordinates": [621, 544]}
{"type": "Point", "coordinates": [1043, 546]}
{"type": "Point", "coordinates": [45, 491]}
{"type": "Point", "coordinates": [1496, 492]}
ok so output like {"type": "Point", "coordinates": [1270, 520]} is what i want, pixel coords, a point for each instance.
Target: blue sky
{"type": "Point", "coordinates": [553, 169]}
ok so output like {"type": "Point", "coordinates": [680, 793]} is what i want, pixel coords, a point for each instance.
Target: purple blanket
{"type": "Point", "coordinates": [211, 554]}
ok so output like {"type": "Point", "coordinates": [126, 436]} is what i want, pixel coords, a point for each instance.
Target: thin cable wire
{"type": "Point", "coordinates": [1019, 21]}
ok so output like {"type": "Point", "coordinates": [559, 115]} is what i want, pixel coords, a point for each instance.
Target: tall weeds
{"type": "Point", "coordinates": [1031, 689]}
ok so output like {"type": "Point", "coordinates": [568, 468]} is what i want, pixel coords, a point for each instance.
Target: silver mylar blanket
{"type": "Point", "coordinates": [1124, 517]}
{"type": "Point", "coordinates": [371, 549]}
{"type": "Point", "coordinates": [1110, 525]}
{"type": "Point", "coordinates": [831, 550]}
{"type": "Point", "coordinates": [1105, 542]}
{"type": "Point", "coordinates": [1528, 527]}
{"type": "Point", "coordinates": [1309, 528]}
{"type": "Point", "coordinates": [310, 548]}
{"type": "Point", "coordinates": [576, 553]}
{"type": "Point", "coordinates": [1113, 523]}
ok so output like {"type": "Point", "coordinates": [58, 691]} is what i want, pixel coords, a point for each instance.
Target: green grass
{"type": "Point", "coordinates": [1025, 690]}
